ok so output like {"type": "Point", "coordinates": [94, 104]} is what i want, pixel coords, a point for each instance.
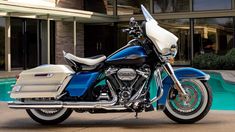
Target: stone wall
{"type": "Point", "coordinates": [64, 33]}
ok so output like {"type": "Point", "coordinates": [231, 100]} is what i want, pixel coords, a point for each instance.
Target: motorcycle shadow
{"type": "Point", "coordinates": [81, 124]}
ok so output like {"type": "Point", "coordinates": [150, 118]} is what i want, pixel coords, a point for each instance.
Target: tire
{"type": "Point", "coordinates": [49, 116]}
{"type": "Point", "coordinates": [195, 108]}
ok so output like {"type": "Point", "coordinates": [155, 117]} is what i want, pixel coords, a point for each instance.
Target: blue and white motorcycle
{"type": "Point", "coordinates": [119, 83]}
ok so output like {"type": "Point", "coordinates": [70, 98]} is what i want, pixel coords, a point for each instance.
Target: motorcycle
{"type": "Point", "coordinates": [120, 82]}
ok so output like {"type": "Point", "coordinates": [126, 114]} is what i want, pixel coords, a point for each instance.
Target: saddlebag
{"type": "Point", "coordinates": [46, 81]}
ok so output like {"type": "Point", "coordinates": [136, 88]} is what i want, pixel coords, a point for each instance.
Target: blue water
{"type": "Point", "coordinates": [5, 88]}
{"type": "Point", "coordinates": [223, 91]}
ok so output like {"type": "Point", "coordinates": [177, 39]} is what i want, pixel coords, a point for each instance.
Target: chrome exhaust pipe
{"type": "Point", "coordinates": [59, 104]}
{"type": "Point", "coordinates": [33, 105]}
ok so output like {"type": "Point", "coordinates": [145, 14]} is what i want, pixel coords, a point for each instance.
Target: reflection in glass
{"type": "Point", "coordinates": [2, 43]}
{"type": "Point", "coordinates": [213, 35]}
{"type": "Point", "coordinates": [100, 6]}
{"type": "Point", "coordinates": [161, 6]}
{"type": "Point", "coordinates": [199, 5]}
{"type": "Point", "coordinates": [181, 28]}
{"type": "Point", "coordinates": [122, 38]}
{"type": "Point", "coordinates": [130, 7]}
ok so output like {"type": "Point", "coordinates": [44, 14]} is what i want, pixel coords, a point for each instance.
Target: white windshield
{"type": "Point", "coordinates": [146, 14]}
{"type": "Point", "coordinates": [161, 38]}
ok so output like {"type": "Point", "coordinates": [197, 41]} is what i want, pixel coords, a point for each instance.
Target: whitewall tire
{"type": "Point", "coordinates": [194, 107]}
{"type": "Point", "coordinates": [49, 116]}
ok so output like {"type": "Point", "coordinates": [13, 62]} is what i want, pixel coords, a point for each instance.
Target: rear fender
{"type": "Point", "coordinates": [181, 74]}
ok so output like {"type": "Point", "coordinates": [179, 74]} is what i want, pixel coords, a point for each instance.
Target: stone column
{"type": "Point", "coordinates": [64, 33]}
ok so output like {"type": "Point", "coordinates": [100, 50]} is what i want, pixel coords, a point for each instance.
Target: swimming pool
{"type": "Point", "coordinates": [223, 92]}
{"type": "Point", "coordinates": [5, 87]}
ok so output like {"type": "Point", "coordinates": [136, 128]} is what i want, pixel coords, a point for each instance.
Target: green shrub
{"type": "Point", "coordinates": [206, 61]}
{"type": "Point", "coordinates": [212, 61]}
{"type": "Point", "coordinates": [229, 59]}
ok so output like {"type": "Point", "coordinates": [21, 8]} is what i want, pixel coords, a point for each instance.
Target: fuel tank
{"type": "Point", "coordinates": [128, 55]}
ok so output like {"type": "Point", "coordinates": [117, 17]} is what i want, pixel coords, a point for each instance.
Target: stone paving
{"type": "Point", "coordinates": [5, 74]}
{"type": "Point", "coordinates": [18, 121]}
{"type": "Point", "coordinates": [228, 75]}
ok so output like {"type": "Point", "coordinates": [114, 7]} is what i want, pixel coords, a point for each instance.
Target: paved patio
{"type": "Point", "coordinates": [11, 74]}
{"type": "Point", "coordinates": [18, 121]}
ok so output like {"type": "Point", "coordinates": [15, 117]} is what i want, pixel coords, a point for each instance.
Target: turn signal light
{"type": "Point", "coordinates": [171, 60]}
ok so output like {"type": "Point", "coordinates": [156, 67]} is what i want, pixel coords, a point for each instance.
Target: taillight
{"type": "Point", "coordinates": [17, 77]}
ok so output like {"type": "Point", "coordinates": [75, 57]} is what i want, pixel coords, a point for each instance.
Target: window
{"type": "Point", "coordinates": [213, 35]}
{"type": "Point", "coordinates": [2, 43]}
{"type": "Point", "coordinates": [162, 6]}
{"type": "Point", "coordinates": [130, 7]}
{"type": "Point", "coordinates": [200, 5]}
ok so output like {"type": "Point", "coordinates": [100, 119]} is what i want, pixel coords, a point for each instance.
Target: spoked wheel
{"type": "Point", "coordinates": [194, 106]}
{"type": "Point", "coordinates": [49, 116]}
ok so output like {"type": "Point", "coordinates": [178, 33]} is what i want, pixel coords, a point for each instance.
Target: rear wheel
{"type": "Point", "coordinates": [194, 106]}
{"type": "Point", "coordinates": [49, 116]}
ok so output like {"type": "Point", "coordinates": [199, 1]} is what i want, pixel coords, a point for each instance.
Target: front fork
{"type": "Point", "coordinates": [168, 68]}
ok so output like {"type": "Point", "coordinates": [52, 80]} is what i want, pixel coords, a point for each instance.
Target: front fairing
{"type": "Point", "coordinates": [162, 39]}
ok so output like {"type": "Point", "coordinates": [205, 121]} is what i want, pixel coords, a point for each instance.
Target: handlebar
{"type": "Point", "coordinates": [134, 29]}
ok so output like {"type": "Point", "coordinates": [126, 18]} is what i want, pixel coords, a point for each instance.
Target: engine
{"type": "Point", "coordinates": [126, 74]}
{"type": "Point", "coordinates": [127, 82]}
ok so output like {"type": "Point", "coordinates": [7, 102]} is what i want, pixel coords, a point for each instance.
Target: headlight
{"type": "Point", "coordinates": [170, 55]}
{"type": "Point", "coordinates": [173, 50]}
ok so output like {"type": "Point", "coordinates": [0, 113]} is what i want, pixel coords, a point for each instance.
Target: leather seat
{"type": "Point", "coordinates": [86, 61]}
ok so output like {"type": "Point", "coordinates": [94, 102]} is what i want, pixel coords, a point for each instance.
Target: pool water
{"type": "Point", "coordinates": [5, 88]}
{"type": "Point", "coordinates": [223, 91]}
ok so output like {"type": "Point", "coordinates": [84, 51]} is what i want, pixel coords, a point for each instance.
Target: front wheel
{"type": "Point", "coordinates": [194, 106]}
{"type": "Point", "coordinates": [49, 116]}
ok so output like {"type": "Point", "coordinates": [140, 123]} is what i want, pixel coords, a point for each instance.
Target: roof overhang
{"type": "Point", "coordinates": [12, 9]}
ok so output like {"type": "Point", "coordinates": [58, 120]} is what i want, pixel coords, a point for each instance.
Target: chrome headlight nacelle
{"type": "Point", "coordinates": [170, 55]}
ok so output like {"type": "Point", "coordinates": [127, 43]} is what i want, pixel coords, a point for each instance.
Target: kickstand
{"type": "Point", "coordinates": [136, 115]}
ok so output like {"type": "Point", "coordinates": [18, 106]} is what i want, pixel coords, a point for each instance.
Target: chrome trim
{"type": "Point", "coordinates": [59, 104]}
{"type": "Point", "coordinates": [136, 95]}
{"type": "Point", "coordinates": [157, 98]}
{"type": "Point", "coordinates": [52, 84]}
{"type": "Point", "coordinates": [126, 74]}
{"type": "Point", "coordinates": [111, 71]}
{"type": "Point", "coordinates": [206, 77]}
{"type": "Point", "coordinates": [143, 74]}
{"type": "Point", "coordinates": [157, 75]}
{"type": "Point", "coordinates": [168, 68]}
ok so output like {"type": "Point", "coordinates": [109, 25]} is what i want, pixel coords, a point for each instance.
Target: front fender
{"type": "Point", "coordinates": [181, 73]}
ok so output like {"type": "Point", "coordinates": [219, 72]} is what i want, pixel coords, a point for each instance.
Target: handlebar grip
{"type": "Point", "coordinates": [125, 30]}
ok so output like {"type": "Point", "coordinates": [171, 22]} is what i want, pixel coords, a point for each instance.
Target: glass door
{"type": "Point", "coordinates": [17, 40]}
{"type": "Point", "coordinates": [2, 43]}
{"type": "Point", "coordinates": [24, 43]}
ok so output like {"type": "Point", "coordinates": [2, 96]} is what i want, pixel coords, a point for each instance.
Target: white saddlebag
{"type": "Point", "coordinates": [46, 81]}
